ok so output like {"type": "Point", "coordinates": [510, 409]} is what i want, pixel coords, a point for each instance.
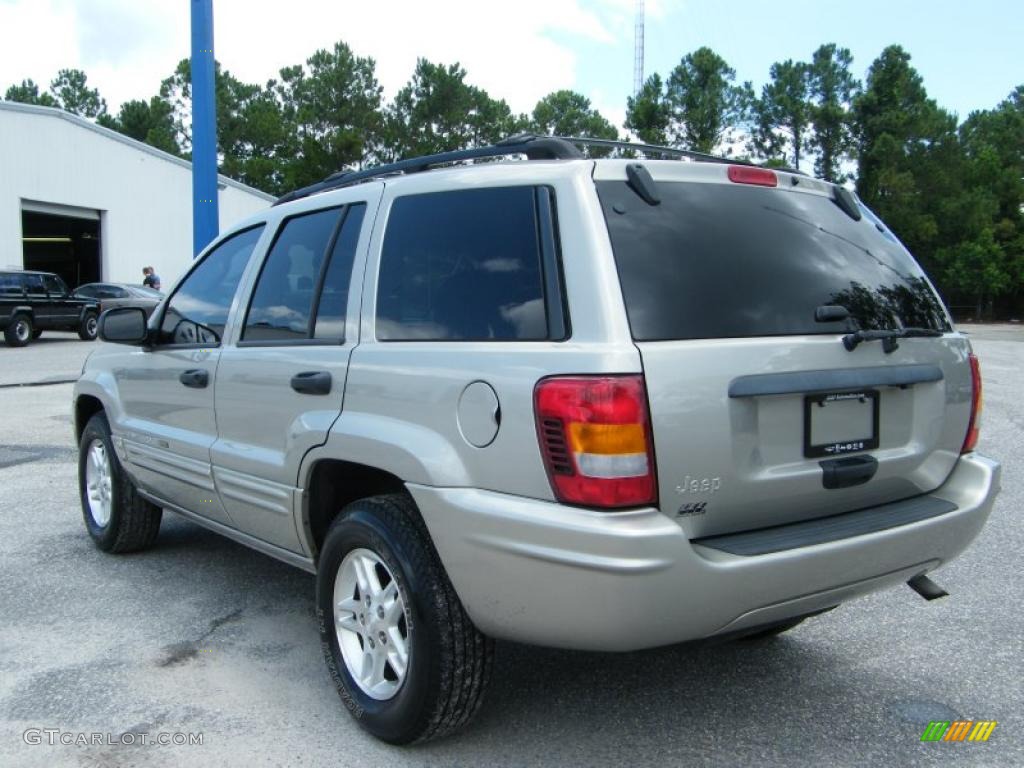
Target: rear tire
{"type": "Point", "coordinates": [412, 606]}
{"type": "Point", "coordinates": [116, 517]}
{"type": "Point", "coordinates": [89, 327]}
{"type": "Point", "coordinates": [19, 331]}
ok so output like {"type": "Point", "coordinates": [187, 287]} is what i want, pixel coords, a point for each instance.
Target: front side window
{"type": "Point", "coordinates": [55, 285]}
{"type": "Point", "coordinates": [463, 265]}
{"type": "Point", "coordinates": [197, 312]}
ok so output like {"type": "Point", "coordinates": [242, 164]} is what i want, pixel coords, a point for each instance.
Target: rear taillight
{"type": "Point", "coordinates": [974, 425]}
{"type": "Point", "coordinates": [746, 174]}
{"type": "Point", "coordinates": [595, 436]}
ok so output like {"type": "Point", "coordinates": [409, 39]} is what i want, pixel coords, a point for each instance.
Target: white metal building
{"type": "Point", "coordinates": [91, 204]}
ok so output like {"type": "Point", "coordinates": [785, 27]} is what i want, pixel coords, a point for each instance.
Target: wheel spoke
{"type": "Point", "coordinates": [366, 673]}
{"type": "Point", "coordinates": [393, 606]}
{"type": "Point", "coordinates": [348, 615]}
{"type": "Point", "coordinates": [377, 670]}
{"type": "Point", "coordinates": [398, 655]}
{"type": "Point", "coordinates": [361, 578]}
{"type": "Point", "coordinates": [370, 573]}
{"type": "Point", "coordinates": [351, 623]}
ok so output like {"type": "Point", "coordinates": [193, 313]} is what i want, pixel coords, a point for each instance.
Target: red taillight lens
{"type": "Point", "coordinates": [745, 174]}
{"type": "Point", "coordinates": [595, 435]}
{"type": "Point", "coordinates": [974, 425]}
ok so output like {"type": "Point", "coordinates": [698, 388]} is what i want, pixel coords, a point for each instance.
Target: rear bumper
{"type": "Point", "coordinates": [543, 573]}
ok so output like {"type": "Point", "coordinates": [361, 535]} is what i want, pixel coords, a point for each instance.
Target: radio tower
{"type": "Point", "coordinates": [638, 49]}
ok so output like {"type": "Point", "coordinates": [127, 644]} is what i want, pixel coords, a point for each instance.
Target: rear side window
{"type": "Point", "coordinates": [197, 312]}
{"type": "Point", "coordinates": [466, 265]}
{"type": "Point", "coordinates": [306, 275]}
{"type": "Point", "coordinates": [283, 300]}
{"type": "Point", "coordinates": [10, 285]}
{"type": "Point", "coordinates": [333, 305]}
{"type": "Point", "coordinates": [34, 286]}
{"type": "Point", "coordinates": [729, 260]}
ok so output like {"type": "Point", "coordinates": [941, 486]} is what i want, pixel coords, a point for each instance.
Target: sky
{"type": "Point", "coordinates": [970, 53]}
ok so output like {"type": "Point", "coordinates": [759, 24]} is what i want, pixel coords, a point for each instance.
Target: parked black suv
{"type": "Point", "coordinates": [33, 302]}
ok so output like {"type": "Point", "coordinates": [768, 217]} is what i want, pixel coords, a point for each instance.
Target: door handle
{"type": "Point", "coordinates": [312, 383]}
{"type": "Point", "coordinates": [196, 378]}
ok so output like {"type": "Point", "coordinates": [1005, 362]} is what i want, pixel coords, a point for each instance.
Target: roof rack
{"type": "Point", "coordinates": [653, 149]}
{"type": "Point", "coordinates": [534, 147]}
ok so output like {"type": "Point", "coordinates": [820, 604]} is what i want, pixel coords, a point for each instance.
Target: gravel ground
{"type": "Point", "coordinates": [201, 635]}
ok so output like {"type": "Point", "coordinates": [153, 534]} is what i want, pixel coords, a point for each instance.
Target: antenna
{"type": "Point", "coordinates": [638, 49]}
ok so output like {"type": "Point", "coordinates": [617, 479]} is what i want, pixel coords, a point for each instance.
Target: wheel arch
{"type": "Point", "coordinates": [86, 406]}
{"type": "Point", "coordinates": [333, 484]}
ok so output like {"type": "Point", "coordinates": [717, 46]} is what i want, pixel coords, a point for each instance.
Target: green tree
{"type": "Point", "coordinates": [832, 91]}
{"type": "Point", "coordinates": [703, 100]}
{"type": "Point", "coordinates": [151, 122]}
{"type": "Point", "coordinates": [251, 129]}
{"type": "Point", "coordinates": [783, 113]}
{"type": "Point", "coordinates": [983, 259]}
{"type": "Point", "coordinates": [28, 93]}
{"type": "Point", "coordinates": [437, 111]}
{"type": "Point", "coordinates": [907, 152]}
{"type": "Point", "coordinates": [71, 90]}
{"type": "Point", "coordinates": [568, 113]}
{"type": "Point", "coordinates": [648, 114]}
{"type": "Point", "coordinates": [331, 113]}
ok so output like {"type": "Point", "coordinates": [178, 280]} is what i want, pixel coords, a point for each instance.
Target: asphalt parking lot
{"type": "Point", "coordinates": [200, 635]}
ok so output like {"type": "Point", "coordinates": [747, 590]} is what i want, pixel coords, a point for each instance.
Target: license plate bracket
{"type": "Point", "coordinates": [837, 423]}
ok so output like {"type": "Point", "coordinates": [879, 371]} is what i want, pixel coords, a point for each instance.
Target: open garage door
{"type": "Point", "coordinates": [62, 239]}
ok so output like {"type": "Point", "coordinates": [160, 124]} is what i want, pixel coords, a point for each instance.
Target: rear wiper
{"type": "Point", "coordinates": [888, 338]}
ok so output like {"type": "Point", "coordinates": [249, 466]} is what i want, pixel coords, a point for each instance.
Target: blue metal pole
{"type": "Point", "coordinates": [205, 221]}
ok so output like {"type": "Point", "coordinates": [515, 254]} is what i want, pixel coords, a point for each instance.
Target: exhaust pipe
{"type": "Point", "coordinates": [926, 588]}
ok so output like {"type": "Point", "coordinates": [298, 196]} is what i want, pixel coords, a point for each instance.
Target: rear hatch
{"type": "Point", "coordinates": [761, 415]}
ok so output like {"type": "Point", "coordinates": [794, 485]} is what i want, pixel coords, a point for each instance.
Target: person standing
{"type": "Point", "coordinates": [150, 279]}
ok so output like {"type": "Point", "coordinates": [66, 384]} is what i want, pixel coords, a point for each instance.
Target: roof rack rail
{"type": "Point", "coordinates": [653, 149]}
{"type": "Point", "coordinates": [534, 147]}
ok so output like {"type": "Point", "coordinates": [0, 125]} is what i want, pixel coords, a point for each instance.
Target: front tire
{"type": "Point", "coordinates": [89, 327]}
{"type": "Point", "coordinates": [405, 658]}
{"type": "Point", "coordinates": [19, 331]}
{"type": "Point", "coordinates": [116, 517]}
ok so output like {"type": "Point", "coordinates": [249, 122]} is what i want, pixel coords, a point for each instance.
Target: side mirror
{"type": "Point", "coordinates": [124, 325]}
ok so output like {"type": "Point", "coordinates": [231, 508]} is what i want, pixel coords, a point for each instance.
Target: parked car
{"type": "Point", "coordinates": [591, 404]}
{"type": "Point", "coordinates": [111, 295]}
{"type": "Point", "coordinates": [33, 302]}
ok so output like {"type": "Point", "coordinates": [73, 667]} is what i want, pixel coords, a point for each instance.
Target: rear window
{"type": "Point", "coordinates": [727, 260]}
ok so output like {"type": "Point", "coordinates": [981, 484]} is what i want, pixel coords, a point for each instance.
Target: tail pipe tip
{"type": "Point", "coordinates": [926, 588]}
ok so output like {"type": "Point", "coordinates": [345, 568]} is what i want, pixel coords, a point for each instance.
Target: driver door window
{"type": "Point", "coordinates": [197, 312]}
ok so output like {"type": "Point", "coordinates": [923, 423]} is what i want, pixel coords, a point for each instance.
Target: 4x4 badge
{"type": "Point", "coordinates": [693, 508]}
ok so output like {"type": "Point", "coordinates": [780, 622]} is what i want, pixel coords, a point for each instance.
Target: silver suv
{"type": "Point", "coordinates": [602, 404]}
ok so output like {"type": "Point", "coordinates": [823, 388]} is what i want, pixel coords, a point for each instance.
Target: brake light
{"type": "Point", "coordinates": [595, 436]}
{"type": "Point", "coordinates": [746, 174]}
{"type": "Point", "coordinates": [974, 425]}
